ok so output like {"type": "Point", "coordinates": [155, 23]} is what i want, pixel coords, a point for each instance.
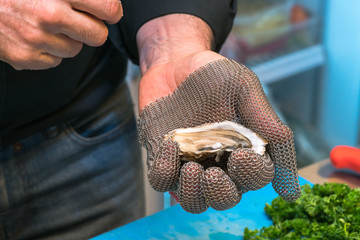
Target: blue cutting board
{"type": "Point", "coordinates": [175, 223]}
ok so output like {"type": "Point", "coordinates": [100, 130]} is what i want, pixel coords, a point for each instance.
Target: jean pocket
{"type": "Point", "coordinates": [110, 120]}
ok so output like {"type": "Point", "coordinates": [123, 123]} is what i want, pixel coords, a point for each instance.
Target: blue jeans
{"type": "Point", "coordinates": [76, 180]}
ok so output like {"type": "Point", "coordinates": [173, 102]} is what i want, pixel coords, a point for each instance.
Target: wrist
{"type": "Point", "coordinates": [172, 37]}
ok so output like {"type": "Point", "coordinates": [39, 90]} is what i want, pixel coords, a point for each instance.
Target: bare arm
{"type": "Point", "coordinates": [170, 48]}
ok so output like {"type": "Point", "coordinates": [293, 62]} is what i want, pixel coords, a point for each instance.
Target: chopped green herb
{"type": "Point", "coordinates": [329, 211]}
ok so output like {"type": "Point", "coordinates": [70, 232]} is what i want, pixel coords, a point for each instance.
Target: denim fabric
{"type": "Point", "coordinates": [74, 182]}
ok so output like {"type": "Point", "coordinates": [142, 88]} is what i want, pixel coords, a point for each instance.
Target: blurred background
{"type": "Point", "coordinates": [307, 56]}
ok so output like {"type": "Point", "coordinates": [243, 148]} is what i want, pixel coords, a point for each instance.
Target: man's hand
{"type": "Point", "coordinates": [185, 84]}
{"type": "Point", "coordinates": [38, 34]}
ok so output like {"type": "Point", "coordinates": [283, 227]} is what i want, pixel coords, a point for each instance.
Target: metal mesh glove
{"type": "Point", "coordinates": [221, 90]}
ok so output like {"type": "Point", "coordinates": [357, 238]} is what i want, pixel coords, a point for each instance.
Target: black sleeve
{"type": "Point", "coordinates": [219, 14]}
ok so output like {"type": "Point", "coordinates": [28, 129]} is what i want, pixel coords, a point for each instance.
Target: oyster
{"type": "Point", "coordinates": [214, 140]}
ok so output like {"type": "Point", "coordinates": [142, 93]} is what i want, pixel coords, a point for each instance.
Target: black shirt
{"type": "Point", "coordinates": [31, 101]}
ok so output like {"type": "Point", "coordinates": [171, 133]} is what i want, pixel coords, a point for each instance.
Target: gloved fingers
{"type": "Point", "coordinates": [256, 113]}
{"type": "Point", "coordinates": [220, 191]}
{"type": "Point", "coordinates": [163, 173]}
{"type": "Point", "coordinates": [282, 151]}
{"type": "Point", "coordinates": [249, 170]}
{"type": "Point", "coordinates": [286, 182]}
{"type": "Point", "coordinates": [190, 191]}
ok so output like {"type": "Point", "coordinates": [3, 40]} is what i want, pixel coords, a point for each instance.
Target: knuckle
{"type": "Point", "coordinates": [49, 16]}
{"type": "Point", "coordinates": [113, 10]}
{"type": "Point", "coordinates": [100, 37]}
{"type": "Point", "coordinates": [170, 149]}
{"type": "Point", "coordinates": [283, 133]}
{"type": "Point", "coordinates": [192, 169]}
{"type": "Point", "coordinates": [217, 181]}
{"type": "Point", "coordinates": [17, 67]}
{"type": "Point", "coordinates": [75, 50]}
{"type": "Point", "coordinates": [33, 37]}
{"type": "Point", "coordinates": [34, 61]}
{"type": "Point", "coordinates": [27, 57]}
{"type": "Point", "coordinates": [16, 61]}
{"type": "Point", "coordinates": [190, 193]}
{"type": "Point", "coordinates": [20, 58]}
{"type": "Point", "coordinates": [54, 62]}
{"type": "Point", "coordinates": [242, 154]}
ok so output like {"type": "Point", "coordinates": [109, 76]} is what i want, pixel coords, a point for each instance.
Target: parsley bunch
{"type": "Point", "coordinates": [329, 211]}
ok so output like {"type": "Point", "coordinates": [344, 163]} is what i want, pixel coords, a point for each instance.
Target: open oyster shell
{"type": "Point", "coordinates": [214, 140]}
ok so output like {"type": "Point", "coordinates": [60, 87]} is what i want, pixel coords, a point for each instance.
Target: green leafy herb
{"type": "Point", "coordinates": [329, 211]}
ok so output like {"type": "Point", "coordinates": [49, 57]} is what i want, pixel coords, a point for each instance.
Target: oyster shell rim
{"type": "Point", "coordinates": [258, 142]}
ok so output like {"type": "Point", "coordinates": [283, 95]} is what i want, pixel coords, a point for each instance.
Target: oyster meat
{"type": "Point", "coordinates": [213, 140]}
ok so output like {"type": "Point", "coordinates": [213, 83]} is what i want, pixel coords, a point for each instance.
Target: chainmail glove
{"type": "Point", "coordinates": [223, 90]}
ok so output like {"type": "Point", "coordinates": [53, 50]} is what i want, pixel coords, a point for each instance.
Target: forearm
{"type": "Point", "coordinates": [171, 37]}
{"type": "Point", "coordinates": [170, 48]}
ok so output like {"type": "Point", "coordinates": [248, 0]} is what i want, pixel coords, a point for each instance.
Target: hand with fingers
{"type": "Point", "coordinates": [200, 87]}
{"type": "Point", "coordinates": [39, 34]}
{"type": "Point", "coordinates": [222, 90]}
